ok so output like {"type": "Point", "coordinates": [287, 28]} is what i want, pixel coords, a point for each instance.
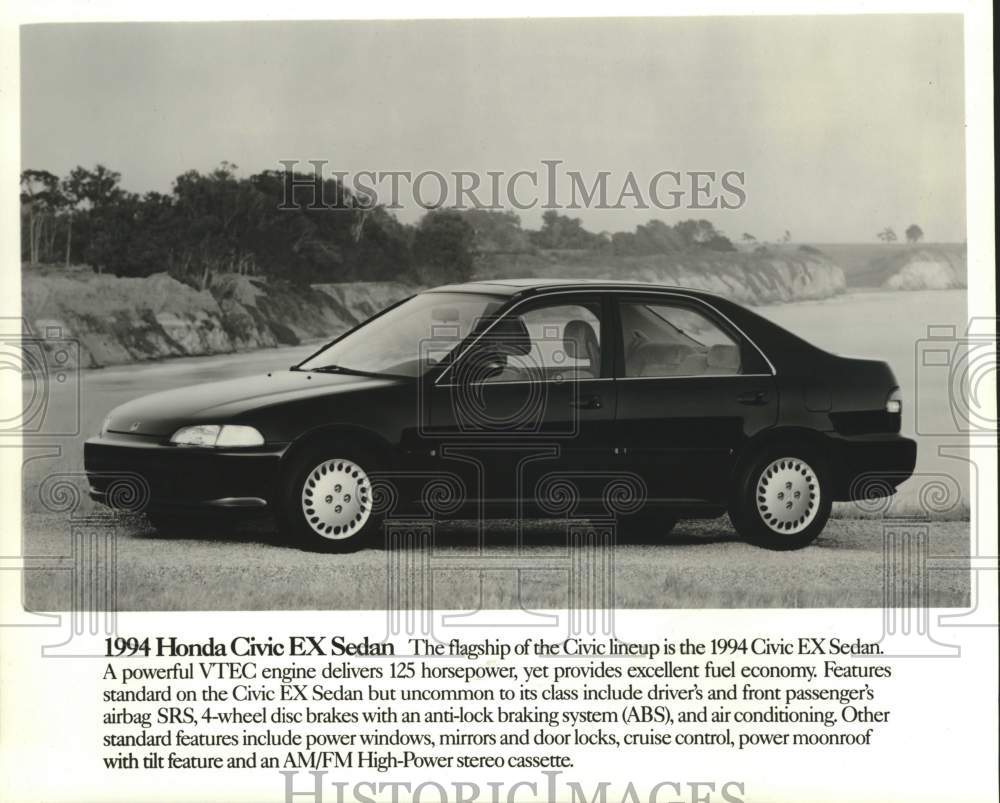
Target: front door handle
{"type": "Point", "coordinates": [754, 397]}
{"type": "Point", "coordinates": [588, 403]}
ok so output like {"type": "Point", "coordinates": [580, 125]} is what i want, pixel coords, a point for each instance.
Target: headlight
{"type": "Point", "coordinates": [225, 435]}
{"type": "Point", "coordinates": [232, 435]}
{"type": "Point", "coordinates": [894, 404]}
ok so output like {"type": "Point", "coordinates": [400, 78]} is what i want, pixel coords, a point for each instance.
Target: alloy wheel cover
{"type": "Point", "coordinates": [337, 499]}
{"type": "Point", "coordinates": [787, 495]}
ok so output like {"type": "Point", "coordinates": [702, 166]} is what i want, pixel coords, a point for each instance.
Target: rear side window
{"type": "Point", "coordinates": [662, 340]}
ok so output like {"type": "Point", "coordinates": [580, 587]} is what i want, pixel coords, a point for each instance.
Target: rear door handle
{"type": "Point", "coordinates": [753, 397]}
{"type": "Point", "coordinates": [588, 403]}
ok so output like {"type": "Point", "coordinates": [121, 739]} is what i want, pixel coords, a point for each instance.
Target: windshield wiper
{"type": "Point", "coordinates": [340, 369]}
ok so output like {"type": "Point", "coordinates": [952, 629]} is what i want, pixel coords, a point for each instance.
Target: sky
{"type": "Point", "coordinates": [840, 125]}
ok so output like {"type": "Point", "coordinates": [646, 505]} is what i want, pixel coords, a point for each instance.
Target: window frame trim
{"type": "Point", "coordinates": [610, 304]}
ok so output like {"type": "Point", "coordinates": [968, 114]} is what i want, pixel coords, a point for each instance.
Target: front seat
{"type": "Point", "coordinates": [580, 343]}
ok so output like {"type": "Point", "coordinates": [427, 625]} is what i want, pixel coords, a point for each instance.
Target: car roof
{"type": "Point", "coordinates": [512, 287]}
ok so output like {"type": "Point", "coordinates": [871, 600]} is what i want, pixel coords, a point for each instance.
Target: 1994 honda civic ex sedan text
{"type": "Point", "coordinates": [526, 398]}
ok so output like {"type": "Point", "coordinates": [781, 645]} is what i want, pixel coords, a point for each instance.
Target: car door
{"type": "Point", "coordinates": [531, 399]}
{"type": "Point", "coordinates": [691, 389]}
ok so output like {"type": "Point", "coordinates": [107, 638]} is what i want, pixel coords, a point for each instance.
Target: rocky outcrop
{"type": "Point", "coordinates": [120, 320]}
{"type": "Point", "coordinates": [928, 269]}
{"type": "Point", "coordinates": [363, 299]}
{"type": "Point", "coordinates": [746, 278]}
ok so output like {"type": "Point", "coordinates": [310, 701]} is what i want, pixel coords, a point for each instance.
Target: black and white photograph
{"type": "Point", "coordinates": [413, 403]}
{"type": "Point", "coordinates": [306, 297]}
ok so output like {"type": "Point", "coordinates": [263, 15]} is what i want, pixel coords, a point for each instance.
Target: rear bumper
{"type": "Point", "coordinates": [136, 474]}
{"type": "Point", "coordinates": [871, 466]}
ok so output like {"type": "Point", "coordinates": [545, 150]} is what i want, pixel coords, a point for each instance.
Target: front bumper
{"type": "Point", "coordinates": [136, 473]}
{"type": "Point", "coordinates": [870, 466]}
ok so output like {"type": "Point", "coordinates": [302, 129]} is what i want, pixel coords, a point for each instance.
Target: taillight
{"type": "Point", "coordinates": [894, 404]}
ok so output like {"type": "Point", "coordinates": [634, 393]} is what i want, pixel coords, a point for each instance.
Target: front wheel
{"type": "Point", "coordinates": [327, 500]}
{"type": "Point", "coordinates": [782, 498]}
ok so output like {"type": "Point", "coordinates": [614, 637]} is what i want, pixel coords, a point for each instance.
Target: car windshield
{"type": "Point", "coordinates": [409, 338]}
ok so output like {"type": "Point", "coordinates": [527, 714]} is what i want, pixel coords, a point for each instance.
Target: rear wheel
{"type": "Point", "coordinates": [327, 500]}
{"type": "Point", "coordinates": [782, 498]}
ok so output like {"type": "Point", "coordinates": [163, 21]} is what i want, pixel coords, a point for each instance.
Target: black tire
{"type": "Point", "coordinates": [648, 526]}
{"type": "Point", "coordinates": [782, 497]}
{"type": "Point", "coordinates": [342, 519]}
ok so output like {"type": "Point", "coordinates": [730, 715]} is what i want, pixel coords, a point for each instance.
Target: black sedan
{"type": "Point", "coordinates": [639, 404]}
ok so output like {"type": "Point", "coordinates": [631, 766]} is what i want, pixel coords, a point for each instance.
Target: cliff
{"type": "Point", "coordinates": [121, 320]}
{"type": "Point", "coordinates": [928, 269]}
{"type": "Point", "coordinates": [928, 266]}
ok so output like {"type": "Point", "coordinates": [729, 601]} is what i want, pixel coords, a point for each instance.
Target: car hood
{"type": "Point", "coordinates": [162, 414]}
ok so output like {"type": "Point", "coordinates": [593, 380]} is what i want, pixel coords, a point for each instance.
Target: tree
{"type": "Point", "coordinates": [41, 198]}
{"type": "Point", "coordinates": [695, 232]}
{"type": "Point", "coordinates": [887, 235]}
{"type": "Point", "coordinates": [748, 238]}
{"type": "Point", "coordinates": [702, 234]}
{"type": "Point", "coordinates": [657, 237]}
{"type": "Point", "coordinates": [561, 232]}
{"type": "Point", "coordinates": [497, 232]}
{"type": "Point", "coordinates": [75, 191]}
{"type": "Point", "coordinates": [100, 185]}
{"type": "Point", "coordinates": [442, 247]}
{"type": "Point", "coordinates": [97, 193]}
{"type": "Point", "coordinates": [914, 234]}
{"type": "Point", "coordinates": [720, 243]}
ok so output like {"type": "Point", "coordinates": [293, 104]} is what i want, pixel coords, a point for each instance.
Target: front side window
{"type": "Point", "coordinates": [663, 340]}
{"type": "Point", "coordinates": [550, 343]}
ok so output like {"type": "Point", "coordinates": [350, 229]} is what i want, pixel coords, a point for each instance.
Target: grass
{"type": "Point", "coordinates": [903, 508]}
{"type": "Point", "coordinates": [701, 565]}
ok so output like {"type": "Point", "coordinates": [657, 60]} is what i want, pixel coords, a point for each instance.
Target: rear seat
{"type": "Point", "coordinates": [674, 359]}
